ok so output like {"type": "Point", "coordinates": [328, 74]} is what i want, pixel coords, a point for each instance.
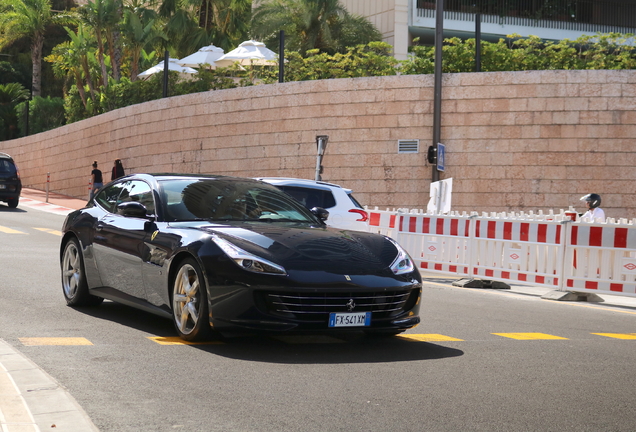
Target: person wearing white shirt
{"type": "Point", "coordinates": [594, 213]}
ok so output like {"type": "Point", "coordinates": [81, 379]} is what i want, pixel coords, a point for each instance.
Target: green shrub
{"type": "Point", "coordinates": [44, 114]}
{"type": "Point", "coordinates": [603, 51]}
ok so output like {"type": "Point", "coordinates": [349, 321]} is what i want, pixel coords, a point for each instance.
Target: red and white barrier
{"type": "Point", "coordinates": [437, 242]}
{"type": "Point", "coordinates": [521, 251]}
{"type": "Point", "coordinates": [382, 222]}
{"type": "Point", "coordinates": [541, 250]}
{"type": "Point", "coordinates": [603, 258]}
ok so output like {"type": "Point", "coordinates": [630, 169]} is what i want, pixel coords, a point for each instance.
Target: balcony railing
{"type": "Point", "coordinates": [602, 16]}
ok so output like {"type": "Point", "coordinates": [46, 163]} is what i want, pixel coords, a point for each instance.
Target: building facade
{"type": "Point", "coordinates": [400, 21]}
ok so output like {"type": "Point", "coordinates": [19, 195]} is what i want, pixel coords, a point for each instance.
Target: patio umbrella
{"type": "Point", "coordinates": [206, 55]}
{"type": "Point", "coordinates": [249, 53]}
{"type": "Point", "coordinates": [184, 72]}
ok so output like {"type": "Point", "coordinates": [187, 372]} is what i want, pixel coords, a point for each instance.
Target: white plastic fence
{"type": "Point", "coordinates": [535, 249]}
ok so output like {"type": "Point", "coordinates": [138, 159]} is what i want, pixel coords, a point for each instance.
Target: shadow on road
{"type": "Point", "coordinates": [6, 208]}
{"type": "Point", "coordinates": [352, 347]}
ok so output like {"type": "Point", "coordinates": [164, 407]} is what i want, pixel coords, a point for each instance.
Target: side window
{"type": "Point", "coordinates": [139, 191]}
{"type": "Point", "coordinates": [310, 197]}
{"type": "Point", "coordinates": [107, 198]}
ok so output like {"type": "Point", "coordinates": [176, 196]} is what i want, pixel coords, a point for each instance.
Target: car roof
{"type": "Point", "coordinates": [297, 181]}
{"type": "Point", "coordinates": [5, 156]}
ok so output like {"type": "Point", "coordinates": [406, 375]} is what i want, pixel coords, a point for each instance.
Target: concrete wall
{"type": "Point", "coordinates": [515, 140]}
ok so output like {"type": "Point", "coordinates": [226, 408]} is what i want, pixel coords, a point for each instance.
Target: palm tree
{"type": "Point", "coordinates": [95, 15]}
{"type": "Point", "coordinates": [311, 24]}
{"type": "Point", "coordinates": [114, 14]}
{"type": "Point", "coordinates": [81, 44]}
{"type": "Point", "coordinates": [191, 24]}
{"type": "Point", "coordinates": [136, 36]}
{"type": "Point", "coordinates": [71, 59]}
{"type": "Point", "coordinates": [28, 19]}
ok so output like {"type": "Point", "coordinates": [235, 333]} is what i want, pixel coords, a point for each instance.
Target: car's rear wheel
{"type": "Point", "coordinates": [74, 283]}
{"type": "Point", "coordinates": [189, 302]}
{"type": "Point", "coordinates": [13, 203]}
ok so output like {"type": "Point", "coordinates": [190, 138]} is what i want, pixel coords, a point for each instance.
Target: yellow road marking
{"type": "Point", "coordinates": [428, 337]}
{"type": "Point", "coordinates": [10, 231]}
{"type": "Point", "coordinates": [50, 231]}
{"type": "Point", "coordinates": [178, 341]}
{"type": "Point", "coordinates": [36, 341]}
{"type": "Point", "coordinates": [618, 335]}
{"type": "Point", "coordinates": [529, 336]}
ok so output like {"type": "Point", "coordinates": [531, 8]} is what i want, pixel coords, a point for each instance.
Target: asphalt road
{"type": "Point", "coordinates": [464, 368]}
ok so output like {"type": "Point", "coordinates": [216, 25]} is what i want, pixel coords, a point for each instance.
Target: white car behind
{"type": "Point", "coordinates": [344, 211]}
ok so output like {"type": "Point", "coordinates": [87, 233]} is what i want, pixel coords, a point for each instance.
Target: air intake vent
{"type": "Point", "coordinates": [408, 146]}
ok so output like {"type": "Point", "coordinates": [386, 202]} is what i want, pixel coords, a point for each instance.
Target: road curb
{"type": "Point", "coordinates": [31, 400]}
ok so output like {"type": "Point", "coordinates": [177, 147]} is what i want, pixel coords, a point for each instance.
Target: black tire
{"type": "Point", "coordinates": [190, 302]}
{"type": "Point", "coordinates": [13, 203]}
{"type": "Point", "coordinates": [74, 285]}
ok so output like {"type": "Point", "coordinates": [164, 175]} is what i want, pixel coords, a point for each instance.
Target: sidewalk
{"type": "Point", "coordinates": [54, 199]}
{"type": "Point", "coordinates": [30, 399]}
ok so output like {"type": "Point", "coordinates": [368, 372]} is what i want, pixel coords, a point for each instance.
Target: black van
{"type": "Point", "coordinates": [10, 184]}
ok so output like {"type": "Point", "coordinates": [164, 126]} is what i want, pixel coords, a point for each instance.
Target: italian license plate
{"type": "Point", "coordinates": [351, 319]}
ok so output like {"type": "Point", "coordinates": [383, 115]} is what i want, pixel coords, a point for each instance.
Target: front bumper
{"type": "Point", "coordinates": [268, 309]}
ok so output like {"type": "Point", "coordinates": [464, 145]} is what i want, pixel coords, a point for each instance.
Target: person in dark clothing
{"type": "Point", "coordinates": [118, 170]}
{"type": "Point", "coordinates": [96, 180]}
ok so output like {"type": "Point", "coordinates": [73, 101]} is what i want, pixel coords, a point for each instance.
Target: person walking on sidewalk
{"type": "Point", "coordinates": [96, 179]}
{"type": "Point", "coordinates": [594, 212]}
{"type": "Point", "coordinates": [118, 170]}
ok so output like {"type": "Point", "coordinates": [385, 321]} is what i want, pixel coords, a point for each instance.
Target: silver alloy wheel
{"type": "Point", "coordinates": [71, 270]}
{"type": "Point", "coordinates": [186, 299]}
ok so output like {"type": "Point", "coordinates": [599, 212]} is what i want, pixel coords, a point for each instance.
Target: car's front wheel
{"type": "Point", "coordinates": [189, 302]}
{"type": "Point", "coordinates": [74, 283]}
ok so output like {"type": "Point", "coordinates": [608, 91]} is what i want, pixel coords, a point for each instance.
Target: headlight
{"type": "Point", "coordinates": [248, 261]}
{"type": "Point", "coordinates": [402, 262]}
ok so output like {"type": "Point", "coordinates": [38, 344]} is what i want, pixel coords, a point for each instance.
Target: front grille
{"type": "Point", "coordinates": [317, 306]}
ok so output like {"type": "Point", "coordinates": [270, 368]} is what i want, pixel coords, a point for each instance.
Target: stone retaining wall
{"type": "Point", "coordinates": [514, 140]}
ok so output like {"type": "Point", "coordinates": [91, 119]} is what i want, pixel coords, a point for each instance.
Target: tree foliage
{"type": "Point", "coordinates": [311, 24]}
{"type": "Point", "coordinates": [44, 114]}
{"type": "Point", "coordinates": [373, 59]}
{"type": "Point", "coordinates": [10, 95]}
{"type": "Point", "coordinates": [28, 19]}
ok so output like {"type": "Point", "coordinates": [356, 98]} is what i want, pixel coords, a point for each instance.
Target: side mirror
{"type": "Point", "coordinates": [320, 213]}
{"type": "Point", "coordinates": [133, 209]}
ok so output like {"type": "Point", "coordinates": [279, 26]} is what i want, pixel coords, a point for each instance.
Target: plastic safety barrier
{"type": "Point", "coordinates": [382, 221]}
{"type": "Point", "coordinates": [603, 258]}
{"type": "Point", "coordinates": [436, 242]}
{"type": "Point", "coordinates": [547, 250]}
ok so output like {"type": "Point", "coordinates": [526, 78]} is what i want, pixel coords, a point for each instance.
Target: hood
{"type": "Point", "coordinates": [307, 248]}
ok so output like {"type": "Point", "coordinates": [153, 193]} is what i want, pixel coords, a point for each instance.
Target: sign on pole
{"type": "Point", "coordinates": [441, 153]}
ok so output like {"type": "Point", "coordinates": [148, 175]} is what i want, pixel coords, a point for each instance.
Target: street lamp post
{"type": "Point", "coordinates": [437, 102]}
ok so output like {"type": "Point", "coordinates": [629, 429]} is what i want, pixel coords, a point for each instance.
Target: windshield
{"type": "Point", "coordinates": [228, 199]}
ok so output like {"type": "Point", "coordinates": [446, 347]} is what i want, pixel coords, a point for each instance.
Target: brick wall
{"type": "Point", "coordinates": [514, 140]}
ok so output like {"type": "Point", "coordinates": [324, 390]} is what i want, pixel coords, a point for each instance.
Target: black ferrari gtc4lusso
{"type": "Point", "coordinates": [233, 255]}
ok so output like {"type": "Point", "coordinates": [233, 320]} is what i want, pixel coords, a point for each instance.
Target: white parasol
{"type": "Point", "coordinates": [249, 53]}
{"type": "Point", "coordinates": [184, 72]}
{"type": "Point", "coordinates": [206, 55]}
